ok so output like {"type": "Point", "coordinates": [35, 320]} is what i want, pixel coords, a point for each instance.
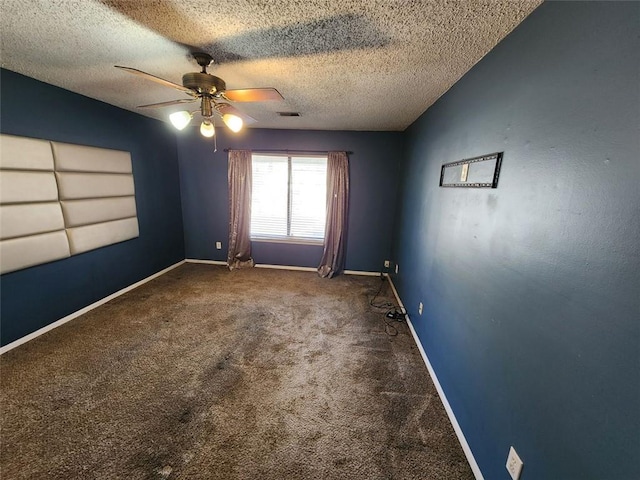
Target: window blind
{"type": "Point", "coordinates": [288, 197]}
{"type": "Point", "coordinates": [308, 197]}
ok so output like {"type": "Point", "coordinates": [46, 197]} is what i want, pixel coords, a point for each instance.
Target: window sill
{"type": "Point", "coordinates": [290, 240]}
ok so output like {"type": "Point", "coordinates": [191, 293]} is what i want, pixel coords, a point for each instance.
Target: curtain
{"type": "Point", "coordinates": [239, 173]}
{"type": "Point", "coordinates": [335, 235]}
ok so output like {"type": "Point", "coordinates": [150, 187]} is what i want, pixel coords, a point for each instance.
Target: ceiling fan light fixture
{"type": "Point", "coordinates": [180, 119]}
{"type": "Point", "coordinates": [207, 129]}
{"type": "Point", "coordinates": [210, 91]}
{"type": "Point", "coordinates": [232, 121]}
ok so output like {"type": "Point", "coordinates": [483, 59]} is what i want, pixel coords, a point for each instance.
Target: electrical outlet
{"type": "Point", "coordinates": [420, 308]}
{"type": "Point", "coordinates": [514, 464]}
{"type": "Point", "coordinates": [386, 264]}
{"type": "Point", "coordinates": [219, 245]}
{"type": "Point", "coordinates": [396, 268]}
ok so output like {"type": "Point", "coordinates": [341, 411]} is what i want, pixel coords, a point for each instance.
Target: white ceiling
{"type": "Point", "coordinates": [343, 64]}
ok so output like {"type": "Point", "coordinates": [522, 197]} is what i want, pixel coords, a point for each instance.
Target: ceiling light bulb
{"type": "Point", "coordinates": [232, 121]}
{"type": "Point", "coordinates": [207, 129]}
{"type": "Point", "coordinates": [180, 119]}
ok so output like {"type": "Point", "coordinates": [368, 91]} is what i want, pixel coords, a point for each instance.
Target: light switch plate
{"type": "Point", "coordinates": [514, 464]}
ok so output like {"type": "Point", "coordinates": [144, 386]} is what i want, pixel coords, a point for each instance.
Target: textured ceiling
{"type": "Point", "coordinates": [343, 64]}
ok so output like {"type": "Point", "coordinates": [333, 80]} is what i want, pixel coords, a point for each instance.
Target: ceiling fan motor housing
{"type": "Point", "coordinates": [203, 83]}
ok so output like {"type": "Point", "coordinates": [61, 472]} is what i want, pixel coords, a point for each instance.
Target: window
{"type": "Point", "coordinates": [288, 198]}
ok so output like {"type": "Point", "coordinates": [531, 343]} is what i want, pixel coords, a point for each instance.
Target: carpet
{"type": "Point", "coordinates": [204, 373]}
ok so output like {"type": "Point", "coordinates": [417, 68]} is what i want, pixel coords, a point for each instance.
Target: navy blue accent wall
{"type": "Point", "coordinates": [37, 296]}
{"type": "Point", "coordinates": [531, 291]}
{"type": "Point", "coordinates": [374, 170]}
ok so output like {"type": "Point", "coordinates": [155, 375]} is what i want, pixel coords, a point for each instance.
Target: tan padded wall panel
{"type": "Point", "coordinates": [24, 187]}
{"type": "Point", "coordinates": [93, 185]}
{"type": "Point", "coordinates": [29, 219]}
{"type": "Point", "coordinates": [23, 252]}
{"type": "Point", "coordinates": [82, 239]}
{"type": "Point", "coordinates": [80, 158]}
{"type": "Point", "coordinates": [85, 212]}
{"type": "Point", "coordinates": [59, 199]}
{"type": "Point", "coordinates": [24, 153]}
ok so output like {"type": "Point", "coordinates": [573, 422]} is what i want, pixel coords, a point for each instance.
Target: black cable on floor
{"type": "Point", "coordinates": [392, 316]}
{"type": "Point", "coordinates": [380, 305]}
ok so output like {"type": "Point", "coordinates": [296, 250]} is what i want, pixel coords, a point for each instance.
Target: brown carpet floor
{"type": "Point", "coordinates": [204, 373]}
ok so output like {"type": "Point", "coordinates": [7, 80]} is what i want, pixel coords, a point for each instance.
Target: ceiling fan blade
{"type": "Point", "coordinates": [226, 108]}
{"type": "Point", "coordinates": [159, 80]}
{"type": "Point", "coordinates": [253, 95]}
{"type": "Point", "coordinates": [169, 103]}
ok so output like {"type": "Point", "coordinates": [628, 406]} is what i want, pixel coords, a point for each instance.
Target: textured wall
{"type": "Point", "coordinates": [531, 291]}
{"type": "Point", "coordinates": [37, 296]}
{"type": "Point", "coordinates": [374, 167]}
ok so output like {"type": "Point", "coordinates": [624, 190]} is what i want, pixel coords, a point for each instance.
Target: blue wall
{"type": "Point", "coordinates": [532, 311]}
{"type": "Point", "coordinates": [374, 170]}
{"type": "Point", "coordinates": [34, 297]}
{"type": "Point", "coordinates": [531, 291]}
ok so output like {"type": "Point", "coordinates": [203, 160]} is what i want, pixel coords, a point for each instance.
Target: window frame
{"type": "Point", "coordinates": [290, 239]}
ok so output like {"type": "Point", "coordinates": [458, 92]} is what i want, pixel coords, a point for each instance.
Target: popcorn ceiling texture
{"type": "Point", "coordinates": [344, 65]}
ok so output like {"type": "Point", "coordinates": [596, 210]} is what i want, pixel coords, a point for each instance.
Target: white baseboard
{"type": "Point", "coordinates": [286, 267]}
{"type": "Point", "coordinates": [443, 398]}
{"type": "Point", "coordinates": [84, 310]}
{"type": "Point", "coordinates": [207, 262]}
{"type": "Point", "coordinates": [361, 272]}
{"type": "Point", "coordinates": [314, 269]}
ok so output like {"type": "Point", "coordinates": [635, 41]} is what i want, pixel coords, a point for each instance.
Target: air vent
{"type": "Point", "coordinates": [289, 114]}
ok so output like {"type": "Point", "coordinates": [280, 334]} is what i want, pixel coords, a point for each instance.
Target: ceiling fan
{"type": "Point", "coordinates": [213, 95]}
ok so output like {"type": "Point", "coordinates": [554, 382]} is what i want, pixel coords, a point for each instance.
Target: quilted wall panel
{"type": "Point", "coordinates": [32, 229]}
{"type": "Point", "coordinates": [59, 199]}
{"type": "Point", "coordinates": [103, 180]}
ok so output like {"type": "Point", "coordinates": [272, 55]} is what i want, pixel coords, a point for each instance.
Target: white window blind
{"type": "Point", "coordinates": [288, 197]}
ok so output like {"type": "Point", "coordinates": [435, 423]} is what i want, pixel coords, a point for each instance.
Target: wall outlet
{"type": "Point", "coordinates": [386, 264]}
{"type": "Point", "coordinates": [219, 245]}
{"type": "Point", "coordinates": [420, 308]}
{"type": "Point", "coordinates": [396, 268]}
{"type": "Point", "coordinates": [514, 464]}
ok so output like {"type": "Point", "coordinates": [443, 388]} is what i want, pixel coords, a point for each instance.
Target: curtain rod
{"type": "Point", "coordinates": [310, 152]}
